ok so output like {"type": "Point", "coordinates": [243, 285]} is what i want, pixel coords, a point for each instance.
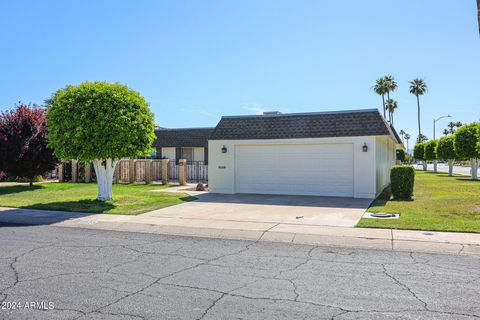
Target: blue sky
{"type": "Point", "coordinates": [195, 61]}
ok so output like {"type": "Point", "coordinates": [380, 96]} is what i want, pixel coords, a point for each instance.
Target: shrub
{"type": "Point", "coordinates": [408, 157]}
{"type": "Point", "coordinates": [22, 179]}
{"type": "Point", "coordinates": [402, 180]}
{"type": "Point", "coordinates": [400, 155]}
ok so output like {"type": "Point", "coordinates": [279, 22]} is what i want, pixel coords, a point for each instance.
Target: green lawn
{"type": "Point", "coordinates": [440, 203]}
{"type": "Point", "coordinates": [130, 199]}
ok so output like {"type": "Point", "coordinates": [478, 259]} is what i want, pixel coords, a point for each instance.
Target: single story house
{"type": "Point", "coordinates": [187, 143]}
{"type": "Point", "coordinates": [341, 153]}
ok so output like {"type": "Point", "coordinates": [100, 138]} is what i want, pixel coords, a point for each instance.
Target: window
{"type": "Point", "coordinates": [187, 154]}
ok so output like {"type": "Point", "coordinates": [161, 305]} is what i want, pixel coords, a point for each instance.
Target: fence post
{"type": "Point", "coordinates": [61, 172]}
{"type": "Point", "coordinates": [148, 171]}
{"type": "Point", "coordinates": [182, 172]}
{"type": "Point", "coordinates": [164, 171]}
{"type": "Point", "coordinates": [131, 171]}
{"type": "Point", "coordinates": [74, 171]}
{"type": "Point", "coordinates": [88, 172]}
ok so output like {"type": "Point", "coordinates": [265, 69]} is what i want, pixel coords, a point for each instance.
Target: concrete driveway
{"type": "Point", "coordinates": [210, 210]}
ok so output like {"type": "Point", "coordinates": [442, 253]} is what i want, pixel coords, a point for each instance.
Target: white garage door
{"type": "Point", "coordinates": [313, 169]}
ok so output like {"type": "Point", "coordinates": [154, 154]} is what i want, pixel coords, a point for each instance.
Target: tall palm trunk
{"type": "Point", "coordinates": [384, 111]}
{"type": "Point", "coordinates": [388, 98]}
{"type": "Point", "coordinates": [418, 111]}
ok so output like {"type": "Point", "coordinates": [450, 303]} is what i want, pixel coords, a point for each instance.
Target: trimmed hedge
{"type": "Point", "coordinates": [402, 179]}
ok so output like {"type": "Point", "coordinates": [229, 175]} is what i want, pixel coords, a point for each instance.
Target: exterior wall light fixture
{"type": "Point", "coordinates": [224, 149]}
{"type": "Point", "coordinates": [365, 147]}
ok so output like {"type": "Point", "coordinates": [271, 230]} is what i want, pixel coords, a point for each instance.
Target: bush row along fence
{"type": "Point", "coordinates": [137, 171]}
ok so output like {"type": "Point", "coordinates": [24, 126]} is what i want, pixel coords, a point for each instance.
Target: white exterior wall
{"type": "Point", "coordinates": [168, 153]}
{"type": "Point", "coordinates": [221, 166]}
{"type": "Point", "coordinates": [385, 154]}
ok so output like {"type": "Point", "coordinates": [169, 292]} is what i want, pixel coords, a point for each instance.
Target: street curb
{"type": "Point", "coordinates": [286, 237]}
{"type": "Point", "coordinates": [363, 238]}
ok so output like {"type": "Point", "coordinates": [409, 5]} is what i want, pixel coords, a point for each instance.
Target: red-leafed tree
{"type": "Point", "coordinates": [23, 143]}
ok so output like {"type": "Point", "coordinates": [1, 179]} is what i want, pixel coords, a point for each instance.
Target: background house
{"type": "Point", "coordinates": [187, 143]}
{"type": "Point", "coordinates": [344, 153]}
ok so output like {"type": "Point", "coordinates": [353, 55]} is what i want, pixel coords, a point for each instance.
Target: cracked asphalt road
{"type": "Point", "coordinates": [91, 274]}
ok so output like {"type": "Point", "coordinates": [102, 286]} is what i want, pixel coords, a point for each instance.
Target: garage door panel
{"type": "Point", "coordinates": [320, 169]}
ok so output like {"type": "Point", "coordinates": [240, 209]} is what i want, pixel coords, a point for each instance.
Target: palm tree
{"type": "Point", "coordinates": [402, 133]}
{"type": "Point", "coordinates": [391, 105]}
{"type": "Point", "coordinates": [418, 87]}
{"type": "Point", "coordinates": [422, 138]}
{"type": "Point", "coordinates": [407, 137]}
{"type": "Point", "coordinates": [446, 132]}
{"type": "Point", "coordinates": [452, 126]}
{"type": "Point", "coordinates": [478, 13]}
{"type": "Point", "coordinates": [391, 84]}
{"type": "Point", "coordinates": [380, 88]}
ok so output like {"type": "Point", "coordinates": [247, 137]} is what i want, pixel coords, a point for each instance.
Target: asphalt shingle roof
{"type": "Point", "coordinates": [304, 125]}
{"type": "Point", "coordinates": [188, 137]}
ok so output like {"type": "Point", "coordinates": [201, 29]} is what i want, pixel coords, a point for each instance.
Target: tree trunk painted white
{"type": "Point", "coordinates": [424, 165]}
{"type": "Point", "coordinates": [104, 169]}
{"type": "Point", "coordinates": [474, 170]}
{"type": "Point", "coordinates": [435, 166]}
{"type": "Point", "coordinates": [450, 167]}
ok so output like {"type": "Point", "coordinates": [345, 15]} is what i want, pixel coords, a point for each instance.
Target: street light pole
{"type": "Point", "coordinates": [434, 122]}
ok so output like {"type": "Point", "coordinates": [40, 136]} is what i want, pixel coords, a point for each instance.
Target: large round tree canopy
{"type": "Point", "coordinates": [419, 151]}
{"type": "Point", "coordinates": [445, 148]}
{"type": "Point", "coordinates": [466, 139]}
{"type": "Point", "coordinates": [429, 153]}
{"type": "Point", "coordinates": [99, 120]}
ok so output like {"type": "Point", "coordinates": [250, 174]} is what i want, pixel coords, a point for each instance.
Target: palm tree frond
{"type": "Point", "coordinates": [418, 87]}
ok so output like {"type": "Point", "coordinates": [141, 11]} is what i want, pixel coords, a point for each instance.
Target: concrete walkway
{"type": "Point", "coordinates": [385, 239]}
